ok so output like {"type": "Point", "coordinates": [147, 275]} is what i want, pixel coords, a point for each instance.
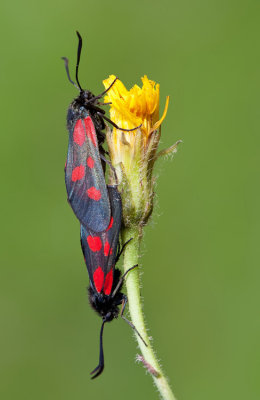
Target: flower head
{"type": "Point", "coordinates": [138, 106]}
{"type": "Point", "coordinates": [133, 153]}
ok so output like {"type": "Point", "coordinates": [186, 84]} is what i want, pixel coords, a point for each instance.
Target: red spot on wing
{"type": "Point", "coordinates": [108, 282]}
{"type": "Point", "coordinates": [110, 224]}
{"type": "Point", "coordinates": [106, 248]}
{"type": "Point", "coordinates": [98, 278]}
{"type": "Point", "coordinates": [90, 130]}
{"type": "Point", "coordinates": [78, 173]}
{"type": "Point", "coordinates": [94, 193]}
{"type": "Point", "coordinates": [94, 243]}
{"type": "Point", "coordinates": [79, 133]}
{"type": "Point", "coordinates": [111, 251]}
{"type": "Point", "coordinates": [90, 162]}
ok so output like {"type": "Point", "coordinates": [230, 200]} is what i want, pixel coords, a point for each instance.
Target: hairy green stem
{"type": "Point", "coordinates": [131, 257]}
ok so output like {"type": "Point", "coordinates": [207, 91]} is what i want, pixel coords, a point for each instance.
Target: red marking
{"type": "Point", "coordinates": [108, 282]}
{"type": "Point", "coordinates": [110, 224]}
{"type": "Point", "coordinates": [98, 277]}
{"type": "Point", "coordinates": [94, 243]}
{"type": "Point", "coordinates": [91, 131]}
{"type": "Point", "coordinates": [106, 248]}
{"type": "Point", "coordinates": [111, 251]}
{"type": "Point", "coordinates": [90, 162]}
{"type": "Point", "coordinates": [94, 193]}
{"type": "Point", "coordinates": [79, 133]}
{"type": "Point", "coordinates": [78, 173]}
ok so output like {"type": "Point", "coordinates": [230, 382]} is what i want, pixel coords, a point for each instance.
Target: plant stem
{"type": "Point", "coordinates": [131, 256]}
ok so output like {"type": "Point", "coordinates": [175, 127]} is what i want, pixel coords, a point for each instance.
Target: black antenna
{"type": "Point", "coordinates": [78, 59]}
{"type": "Point", "coordinates": [66, 62]}
{"type": "Point", "coordinates": [102, 94]}
{"type": "Point", "coordinates": [99, 369]}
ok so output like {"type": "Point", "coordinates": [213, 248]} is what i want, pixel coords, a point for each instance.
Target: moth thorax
{"type": "Point", "coordinates": [86, 95]}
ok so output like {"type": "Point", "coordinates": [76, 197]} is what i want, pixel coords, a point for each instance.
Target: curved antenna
{"type": "Point", "coordinates": [102, 94]}
{"type": "Point", "coordinates": [78, 59]}
{"type": "Point", "coordinates": [66, 62]}
{"type": "Point", "coordinates": [99, 369]}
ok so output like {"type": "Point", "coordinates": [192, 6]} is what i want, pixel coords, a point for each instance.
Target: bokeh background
{"type": "Point", "coordinates": [200, 258]}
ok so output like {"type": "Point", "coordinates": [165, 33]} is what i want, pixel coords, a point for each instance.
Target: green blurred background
{"type": "Point", "coordinates": [200, 258]}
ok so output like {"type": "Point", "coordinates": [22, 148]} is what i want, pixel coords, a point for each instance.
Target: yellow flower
{"type": "Point", "coordinates": [135, 107]}
{"type": "Point", "coordinates": [133, 153]}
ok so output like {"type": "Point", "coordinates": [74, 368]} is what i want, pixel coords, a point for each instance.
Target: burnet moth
{"type": "Point", "coordinates": [84, 171]}
{"type": "Point", "coordinates": [101, 252]}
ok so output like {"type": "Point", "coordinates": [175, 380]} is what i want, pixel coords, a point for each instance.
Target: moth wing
{"type": "Point", "coordinates": [100, 249]}
{"type": "Point", "coordinates": [84, 177]}
{"type": "Point", "coordinates": [111, 235]}
{"type": "Point", "coordinates": [92, 248]}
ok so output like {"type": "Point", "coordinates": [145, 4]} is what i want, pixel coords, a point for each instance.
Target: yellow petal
{"type": "Point", "coordinates": [158, 123]}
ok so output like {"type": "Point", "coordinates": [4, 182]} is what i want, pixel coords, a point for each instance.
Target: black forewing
{"type": "Point", "coordinates": [105, 257]}
{"type": "Point", "coordinates": [84, 177]}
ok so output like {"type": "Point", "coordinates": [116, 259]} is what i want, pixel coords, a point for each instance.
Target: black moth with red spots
{"type": "Point", "coordinates": [101, 252]}
{"type": "Point", "coordinates": [84, 171]}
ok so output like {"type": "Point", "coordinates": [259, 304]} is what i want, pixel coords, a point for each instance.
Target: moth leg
{"type": "Point", "coordinates": [121, 280]}
{"type": "Point", "coordinates": [97, 109]}
{"type": "Point", "coordinates": [110, 165]}
{"type": "Point", "coordinates": [115, 125]}
{"type": "Point", "coordinates": [120, 251]}
{"type": "Point", "coordinates": [105, 104]}
{"type": "Point", "coordinates": [124, 302]}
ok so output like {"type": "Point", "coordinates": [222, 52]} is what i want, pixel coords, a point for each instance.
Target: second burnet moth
{"type": "Point", "coordinates": [101, 252]}
{"type": "Point", "coordinates": [84, 170]}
